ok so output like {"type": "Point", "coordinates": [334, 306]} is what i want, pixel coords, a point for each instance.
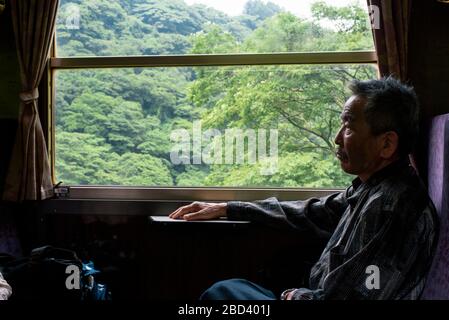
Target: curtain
{"type": "Point", "coordinates": [29, 175]}
{"type": "Point", "coordinates": [390, 20]}
{"type": "Point", "coordinates": [390, 25]}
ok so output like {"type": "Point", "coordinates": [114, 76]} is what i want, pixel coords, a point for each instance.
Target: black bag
{"type": "Point", "coordinates": [45, 275]}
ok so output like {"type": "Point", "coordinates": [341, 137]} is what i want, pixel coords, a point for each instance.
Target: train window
{"type": "Point", "coordinates": [177, 27]}
{"type": "Point", "coordinates": [195, 93]}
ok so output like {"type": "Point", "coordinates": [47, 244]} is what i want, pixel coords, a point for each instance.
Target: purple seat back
{"type": "Point", "coordinates": [9, 239]}
{"type": "Point", "coordinates": [437, 285]}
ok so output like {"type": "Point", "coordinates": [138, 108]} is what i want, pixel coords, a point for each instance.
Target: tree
{"type": "Point", "coordinates": [134, 169]}
{"type": "Point", "coordinates": [302, 102]}
{"type": "Point", "coordinates": [262, 11]}
{"type": "Point", "coordinates": [84, 158]}
{"type": "Point", "coordinates": [119, 122]}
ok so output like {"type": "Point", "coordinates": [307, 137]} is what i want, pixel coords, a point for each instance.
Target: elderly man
{"type": "Point", "coordinates": [382, 229]}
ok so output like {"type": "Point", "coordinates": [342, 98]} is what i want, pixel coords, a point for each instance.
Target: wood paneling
{"type": "Point", "coordinates": [143, 261]}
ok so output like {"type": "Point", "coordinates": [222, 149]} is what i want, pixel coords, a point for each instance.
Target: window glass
{"type": "Point", "coordinates": [239, 126]}
{"type": "Point", "coordinates": [174, 27]}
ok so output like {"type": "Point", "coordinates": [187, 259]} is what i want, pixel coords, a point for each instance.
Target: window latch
{"type": "Point", "coordinates": [61, 191]}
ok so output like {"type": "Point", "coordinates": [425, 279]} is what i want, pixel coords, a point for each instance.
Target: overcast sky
{"type": "Point", "coordinates": [300, 8]}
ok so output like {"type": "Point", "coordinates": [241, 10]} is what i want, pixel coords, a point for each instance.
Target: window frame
{"type": "Point", "coordinates": [191, 193]}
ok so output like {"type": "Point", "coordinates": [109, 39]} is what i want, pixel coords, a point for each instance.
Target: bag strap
{"type": "Point", "coordinates": [52, 252]}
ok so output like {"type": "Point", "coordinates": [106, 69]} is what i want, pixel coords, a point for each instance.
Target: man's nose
{"type": "Point", "coordinates": [338, 140]}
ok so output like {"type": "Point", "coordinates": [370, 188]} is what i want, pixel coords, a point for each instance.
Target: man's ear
{"type": "Point", "coordinates": [390, 142]}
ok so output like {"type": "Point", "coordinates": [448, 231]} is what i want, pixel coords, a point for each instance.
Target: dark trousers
{"type": "Point", "coordinates": [237, 289]}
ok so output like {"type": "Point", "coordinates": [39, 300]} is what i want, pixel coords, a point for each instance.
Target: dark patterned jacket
{"type": "Point", "coordinates": [388, 223]}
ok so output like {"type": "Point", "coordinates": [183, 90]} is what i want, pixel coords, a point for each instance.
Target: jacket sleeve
{"type": "Point", "coordinates": [319, 216]}
{"type": "Point", "coordinates": [5, 289]}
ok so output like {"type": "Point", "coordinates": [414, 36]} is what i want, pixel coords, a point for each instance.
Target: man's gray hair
{"type": "Point", "coordinates": [391, 106]}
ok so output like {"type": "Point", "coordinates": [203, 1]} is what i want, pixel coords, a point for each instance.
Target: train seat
{"type": "Point", "coordinates": [437, 285]}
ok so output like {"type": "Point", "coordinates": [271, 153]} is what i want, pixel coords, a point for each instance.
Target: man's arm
{"type": "Point", "coordinates": [319, 216]}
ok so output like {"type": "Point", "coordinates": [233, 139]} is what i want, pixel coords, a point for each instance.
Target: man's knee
{"type": "Point", "coordinates": [222, 290]}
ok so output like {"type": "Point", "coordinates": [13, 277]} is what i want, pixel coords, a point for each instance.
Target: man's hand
{"type": "Point", "coordinates": [288, 294]}
{"type": "Point", "coordinates": [200, 211]}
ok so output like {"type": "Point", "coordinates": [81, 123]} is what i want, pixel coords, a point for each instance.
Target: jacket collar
{"type": "Point", "coordinates": [383, 173]}
{"type": "Point", "coordinates": [377, 177]}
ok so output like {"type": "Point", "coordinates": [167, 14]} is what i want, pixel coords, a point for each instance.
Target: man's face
{"type": "Point", "coordinates": [358, 149]}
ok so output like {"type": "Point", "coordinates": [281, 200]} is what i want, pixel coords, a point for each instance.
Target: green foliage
{"type": "Point", "coordinates": [305, 169]}
{"type": "Point", "coordinates": [114, 126]}
{"type": "Point", "coordinates": [257, 8]}
{"type": "Point", "coordinates": [83, 158]}
{"type": "Point", "coordinates": [193, 176]}
{"type": "Point", "coordinates": [120, 122]}
{"type": "Point", "coordinates": [352, 23]}
{"type": "Point", "coordinates": [285, 33]}
{"type": "Point", "coordinates": [349, 19]}
{"type": "Point", "coordinates": [213, 39]}
{"type": "Point", "coordinates": [141, 169]}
